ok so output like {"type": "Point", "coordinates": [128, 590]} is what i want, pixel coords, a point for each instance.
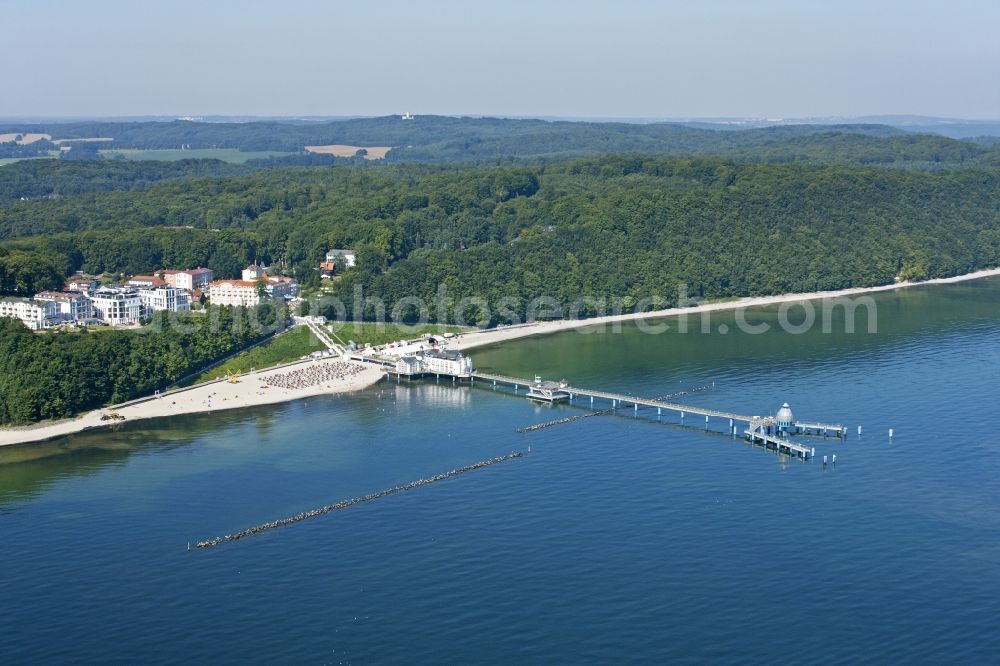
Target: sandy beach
{"type": "Point", "coordinates": [343, 377]}
{"type": "Point", "coordinates": [493, 336]}
{"type": "Point", "coordinates": [250, 392]}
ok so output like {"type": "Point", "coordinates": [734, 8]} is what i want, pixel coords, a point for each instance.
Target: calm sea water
{"type": "Point", "coordinates": [619, 538]}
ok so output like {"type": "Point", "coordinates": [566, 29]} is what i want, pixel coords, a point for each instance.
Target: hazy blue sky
{"type": "Point", "coordinates": [766, 58]}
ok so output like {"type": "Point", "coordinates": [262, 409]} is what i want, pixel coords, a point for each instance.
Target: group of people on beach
{"type": "Point", "coordinates": [314, 375]}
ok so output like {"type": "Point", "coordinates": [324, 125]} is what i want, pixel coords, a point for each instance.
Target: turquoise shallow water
{"type": "Point", "coordinates": [618, 538]}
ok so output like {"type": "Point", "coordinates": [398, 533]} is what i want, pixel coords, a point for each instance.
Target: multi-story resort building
{"type": "Point", "coordinates": [36, 315]}
{"type": "Point", "coordinates": [248, 293]}
{"type": "Point", "coordinates": [166, 298]}
{"type": "Point", "coordinates": [70, 306]}
{"type": "Point", "coordinates": [191, 280]}
{"type": "Point", "coordinates": [241, 293]}
{"type": "Point", "coordinates": [281, 287]}
{"type": "Point", "coordinates": [118, 305]}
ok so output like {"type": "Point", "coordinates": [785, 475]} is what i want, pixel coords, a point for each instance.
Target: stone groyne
{"type": "Point", "coordinates": [679, 394]}
{"type": "Point", "coordinates": [568, 419]}
{"type": "Point", "coordinates": [299, 517]}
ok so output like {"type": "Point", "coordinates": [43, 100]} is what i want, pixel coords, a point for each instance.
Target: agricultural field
{"type": "Point", "coordinates": [25, 138]}
{"type": "Point", "coordinates": [230, 155]}
{"type": "Point", "coordinates": [104, 139]}
{"type": "Point", "coordinates": [341, 150]}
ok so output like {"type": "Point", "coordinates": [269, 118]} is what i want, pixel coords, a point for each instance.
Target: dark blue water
{"type": "Point", "coordinates": [617, 539]}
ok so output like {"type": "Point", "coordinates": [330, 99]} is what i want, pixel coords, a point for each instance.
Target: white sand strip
{"type": "Point", "coordinates": [493, 336]}
{"type": "Point", "coordinates": [214, 396]}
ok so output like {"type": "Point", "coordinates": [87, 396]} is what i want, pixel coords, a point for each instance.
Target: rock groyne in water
{"type": "Point", "coordinates": [299, 517]}
{"type": "Point", "coordinates": [679, 394]}
{"type": "Point", "coordinates": [568, 419]}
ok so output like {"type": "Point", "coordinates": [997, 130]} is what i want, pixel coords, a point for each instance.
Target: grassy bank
{"type": "Point", "coordinates": [301, 342]}
{"type": "Point", "coordinates": [370, 333]}
{"type": "Point", "coordinates": [284, 348]}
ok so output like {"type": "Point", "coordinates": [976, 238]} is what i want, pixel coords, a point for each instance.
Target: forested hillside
{"type": "Point", "coordinates": [521, 136]}
{"type": "Point", "coordinates": [441, 139]}
{"type": "Point", "coordinates": [630, 227]}
{"type": "Point", "coordinates": [34, 179]}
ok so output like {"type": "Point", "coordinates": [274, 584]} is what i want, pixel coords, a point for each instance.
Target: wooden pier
{"type": "Point", "coordinates": [824, 429]}
{"type": "Point", "coordinates": [765, 430]}
{"type": "Point", "coordinates": [760, 430]}
{"type": "Point", "coordinates": [619, 400]}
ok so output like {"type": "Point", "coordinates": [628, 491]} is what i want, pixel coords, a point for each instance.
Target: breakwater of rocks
{"type": "Point", "coordinates": [679, 394]}
{"type": "Point", "coordinates": [344, 504]}
{"type": "Point", "coordinates": [568, 419]}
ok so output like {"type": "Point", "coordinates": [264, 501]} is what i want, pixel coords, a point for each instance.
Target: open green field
{"type": "Point", "coordinates": [225, 154]}
{"type": "Point", "coordinates": [11, 160]}
{"type": "Point", "coordinates": [371, 333]}
{"type": "Point", "coordinates": [284, 348]}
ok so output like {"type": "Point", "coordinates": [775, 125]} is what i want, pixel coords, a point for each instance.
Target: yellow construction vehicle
{"type": "Point", "coordinates": [232, 376]}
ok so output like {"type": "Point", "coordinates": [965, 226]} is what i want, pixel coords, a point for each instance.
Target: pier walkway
{"type": "Point", "coordinates": [760, 430]}
{"type": "Point", "coordinates": [765, 430]}
{"type": "Point", "coordinates": [810, 428]}
{"type": "Point", "coordinates": [619, 399]}
{"type": "Point", "coordinates": [322, 336]}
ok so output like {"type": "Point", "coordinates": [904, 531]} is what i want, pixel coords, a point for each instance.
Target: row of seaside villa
{"type": "Point", "coordinates": [84, 302]}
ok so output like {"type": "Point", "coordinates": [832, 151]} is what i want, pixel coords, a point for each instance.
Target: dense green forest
{"type": "Point", "coordinates": [772, 211]}
{"type": "Point", "coordinates": [34, 179]}
{"type": "Point", "coordinates": [497, 140]}
{"type": "Point", "coordinates": [523, 136]}
{"type": "Point", "coordinates": [89, 173]}
{"type": "Point", "coordinates": [628, 227]}
{"type": "Point", "coordinates": [35, 149]}
{"type": "Point", "coordinates": [57, 375]}
{"type": "Point", "coordinates": [26, 273]}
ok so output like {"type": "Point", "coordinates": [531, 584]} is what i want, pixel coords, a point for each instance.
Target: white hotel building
{"type": "Point", "coordinates": [118, 306]}
{"type": "Point", "coordinates": [195, 278]}
{"type": "Point", "coordinates": [69, 305]}
{"type": "Point", "coordinates": [171, 299]}
{"type": "Point", "coordinates": [237, 293]}
{"type": "Point", "coordinates": [36, 315]}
